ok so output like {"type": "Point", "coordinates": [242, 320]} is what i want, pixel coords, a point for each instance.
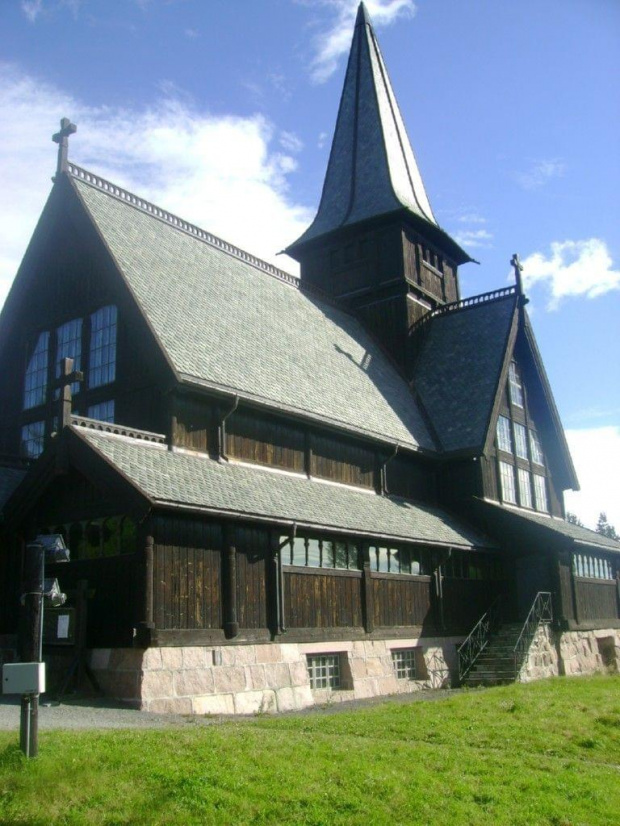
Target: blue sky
{"type": "Point", "coordinates": [222, 111]}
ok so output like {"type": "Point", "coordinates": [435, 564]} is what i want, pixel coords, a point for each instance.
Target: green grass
{"type": "Point", "coordinates": [545, 753]}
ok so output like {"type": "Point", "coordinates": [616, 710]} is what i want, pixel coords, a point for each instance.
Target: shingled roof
{"type": "Point", "coordinates": [459, 367]}
{"type": "Point", "coordinates": [194, 481]}
{"type": "Point", "coordinates": [513, 520]}
{"type": "Point", "coordinates": [372, 170]}
{"type": "Point", "coordinates": [209, 304]}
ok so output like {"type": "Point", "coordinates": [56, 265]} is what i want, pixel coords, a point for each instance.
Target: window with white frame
{"type": "Point", "coordinates": [536, 448]}
{"type": "Point", "coordinates": [35, 384]}
{"type": "Point", "coordinates": [592, 567]}
{"type": "Point", "coordinates": [323, 670]}
{"type": "Point", "coordinates": [507, 483]}
{"type": "Point", "coordinates": [504, 437]}
{"type": "Point", "coordinates": [520, 441]}
{"type": "Point", "coordinates": [309, 551]}
{"type": "Point", "coordinates": [403, 660]}
{"type": "Point", "coordinates": [525, 488]}
{"type": "Point", "coordinates": [515, 385]}
{"type": "Point", "coordinates": [540, 493]}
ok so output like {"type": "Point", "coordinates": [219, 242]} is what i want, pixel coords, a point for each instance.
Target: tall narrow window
{"type": "Point", "coordinates": [33, 436]}
{"type": "Point", "coordinates": [514, 383]}
{"type": "Point", "coordinates": [504, 439]}
{"type": "Point", "coordinates": [525, 488]}
{"type": "Point", "coordinates": [507, 479]}
{"type": "Point", "coordinates": [69, 345]}
{"type": "Point", "coordinates": [540, 493]}
{"type": "Point", "coordinates": [102, 361]}
{"type": "Point", "coordinates": [35, 384]}
{"type": "Point", "coordinates": [520, 440]}
{"type": "Point", "coordinates": [536, 448]}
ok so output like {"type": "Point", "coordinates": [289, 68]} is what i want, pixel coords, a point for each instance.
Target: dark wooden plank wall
{"type": "Point", "coordinates": [315, 598]}
{"type": "Point", "coordinates": [597, 599]}
{"type": "Point", "coordinates": [410, 479]}
{"type": "Point", "coordinates": [187, 573]}
{"type": "Point", "coordinates": [342, 461]}
{"type": "Point", "coordinates": [265, 440]}
{"type": "Point", "coordinates": [252, 545]}
{"type": "Point", "coordinates": [401, 600]}
{"type": "Point", "coordinates": [565, 581]}
{"type": "Point", "coordinates": [194, 424]}
{"type": "Point", "coordinates": [466, 600]}
{"type": "Point", "coordinates": [113, 603]}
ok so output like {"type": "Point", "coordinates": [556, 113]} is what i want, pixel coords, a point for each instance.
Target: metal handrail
{"type": "Point", "coordinates": [478, 639]}
{"type": "Point", "coordinates": [541, 611]}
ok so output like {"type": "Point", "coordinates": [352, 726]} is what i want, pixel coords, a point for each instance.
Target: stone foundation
{"type": "Point", "coordinates": [543, 657]}
{"type": "Point", "coordinates": [265, 678]}
{"type": "Point", "coordinates": [571, 653]}
{"type": "Point", "coordinates": [586, 652]}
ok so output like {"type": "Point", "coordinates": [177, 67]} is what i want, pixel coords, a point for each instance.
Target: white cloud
{"type": "Point", "coordinates": [596, 456]}
{"type": "Point", "coordinates": [540, 173]}
{"type": "Point", "coordinates": [331, 44]}
{"type": "Point", "coordinates": [32, 9]}
{"type": "Point", "coordinates": [474, 238]}
{"type": "Point", "coordinates": [471, 218]}
{"type": "Point", "coordinates": [226, 174]}
{"type": "Point", "coordinates": [291, 142]}
{"type": "Point", "coordinates": [573, 268]}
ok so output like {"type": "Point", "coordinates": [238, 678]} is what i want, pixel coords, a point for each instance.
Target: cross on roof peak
{"type": "Point", "coordinates": [62, 139]}
{"type": "Point", "coordinates": [516, 264]}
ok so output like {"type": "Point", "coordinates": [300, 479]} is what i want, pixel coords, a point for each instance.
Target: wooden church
{"type": "Point", "coordinates": [273, 489]}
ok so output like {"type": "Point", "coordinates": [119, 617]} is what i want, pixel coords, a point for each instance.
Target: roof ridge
{"type": "Point", "coordinates": [467, 304]}
{"type": "Point", "coordinates": [124, 195]}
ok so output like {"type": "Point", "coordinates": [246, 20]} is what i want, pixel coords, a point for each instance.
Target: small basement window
{"type": "Point", "coordinates": [403, 660]}
{"type": "Point", "coordinates": [324, 670]}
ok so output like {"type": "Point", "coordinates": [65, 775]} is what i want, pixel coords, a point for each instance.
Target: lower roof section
{"type": "Point", "coordinates": [521, 524]}
{"type": "Point", "coordinates": [193, 481]}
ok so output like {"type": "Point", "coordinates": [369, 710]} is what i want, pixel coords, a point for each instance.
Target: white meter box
{"type": "Point", "coordinates": [23, 678]}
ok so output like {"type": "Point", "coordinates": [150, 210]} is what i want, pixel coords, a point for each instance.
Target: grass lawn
{"type": "Point", "coordinates": [544, 753]}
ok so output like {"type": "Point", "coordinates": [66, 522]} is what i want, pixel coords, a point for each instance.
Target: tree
{"type": "Point", "coordinates": [573, 519]}
{"type": "Point", "coordinates": [604, 528]}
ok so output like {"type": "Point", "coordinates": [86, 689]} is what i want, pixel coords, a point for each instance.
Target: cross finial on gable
{"type": "Point", "coordinates": [62, 139]}
{"type": "Point", "coordinates": [67, 377]}
{"type": "Point", "coordinates": [518, 268]}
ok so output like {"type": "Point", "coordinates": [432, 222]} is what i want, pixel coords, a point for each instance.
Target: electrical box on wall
{"type": "Point", "coordinates": [23, 678]}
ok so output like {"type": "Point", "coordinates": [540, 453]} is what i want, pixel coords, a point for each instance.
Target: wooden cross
{"type": "Point", "coordinates": [62, 139]}
{"type": "Point", "coordinates": [67, 377]}
{"type": "Point", "coordinates": [518, 268]}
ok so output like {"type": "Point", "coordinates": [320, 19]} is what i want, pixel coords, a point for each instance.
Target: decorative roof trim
{"type": "Point", "coordinates": [466, 303]}
{"type": "Point", "coordinates": [154, 211]}
{"type": "Point", "coordinates": [118, 430]}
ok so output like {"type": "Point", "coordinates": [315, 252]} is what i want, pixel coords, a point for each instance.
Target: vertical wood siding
{"type": "Point", "coordinates": [194, 425]}
{"type": "Point", "coordinates": [265, 440]}
{"type": "Point", "coordinates": [319, 600]}
{"type": "Point", "coordinates": [252, 546]}
{"type": "Point", "coordinates": [342, 461]}
{"type": "Point", "coordinates": [596, 599]}
{"type": "Point", "coordinates": [401, 601]}
{"type": "Point", "coordinates": [187, 573]}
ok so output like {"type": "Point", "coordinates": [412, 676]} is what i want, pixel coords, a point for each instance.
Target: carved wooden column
{"type": "Point", "coordinates": [146, 573]}
{"type": "Point", "coordinates": [231, 623]}
{"type": "Point", "coordinates": [368, 605]}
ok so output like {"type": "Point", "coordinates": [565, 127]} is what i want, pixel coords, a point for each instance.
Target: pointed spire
{"type": "Point", "coordinates": [372, 169]}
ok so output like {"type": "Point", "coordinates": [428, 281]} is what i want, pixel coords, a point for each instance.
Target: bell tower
{"type": "Point", "coordinates": [375, 245]}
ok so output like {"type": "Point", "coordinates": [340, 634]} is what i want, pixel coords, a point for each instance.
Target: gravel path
{"type": "Point", "coordinates": [89, 713]}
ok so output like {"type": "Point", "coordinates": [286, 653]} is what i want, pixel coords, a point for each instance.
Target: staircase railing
{"type": "Point", "coordinates": [478, 639]}
{"type": "Point", "coordinates": [541, 611]}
